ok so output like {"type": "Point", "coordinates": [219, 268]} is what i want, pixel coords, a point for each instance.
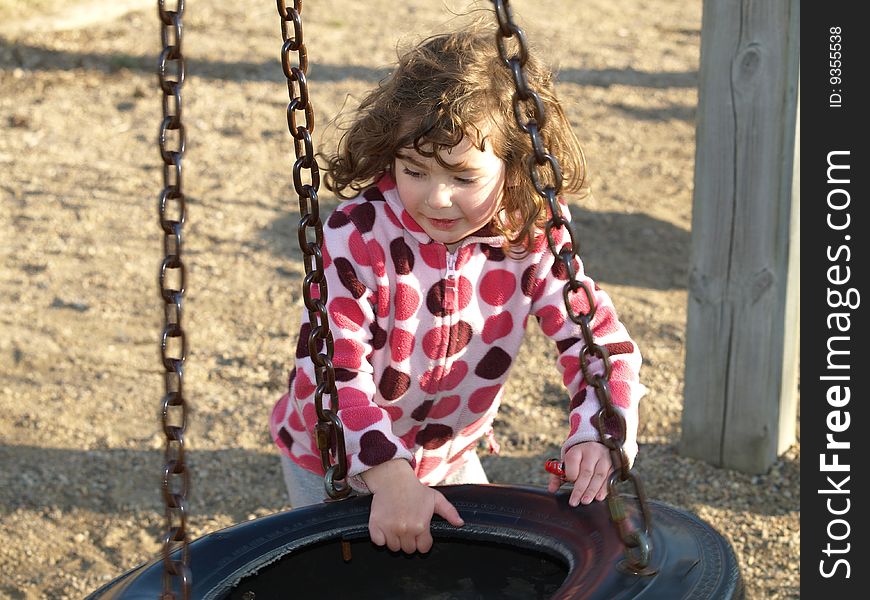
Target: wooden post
{"type": "Point", "coordinates": [741, 345]}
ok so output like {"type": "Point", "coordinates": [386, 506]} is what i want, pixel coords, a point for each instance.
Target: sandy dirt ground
{"type": "Point", "coordinates": [80, 381]}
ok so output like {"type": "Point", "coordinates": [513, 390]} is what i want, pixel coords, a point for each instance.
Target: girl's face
{"type": "Point", "coordinates": [451, 204]}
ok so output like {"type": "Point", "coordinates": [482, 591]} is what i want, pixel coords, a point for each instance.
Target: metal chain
{"type": "Point", "coordinates": [329, 431]}
{"type": "Point", "coordinates": [173, 343]}
{"type": "Point", "coordinates": [526, 101]}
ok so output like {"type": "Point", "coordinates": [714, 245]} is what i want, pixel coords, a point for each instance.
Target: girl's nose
{"type": "Point", "coordinates": [439, 197]}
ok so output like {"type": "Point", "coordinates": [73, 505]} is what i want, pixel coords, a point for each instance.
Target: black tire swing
{"type": "Point", "coordinates": [517, 542]}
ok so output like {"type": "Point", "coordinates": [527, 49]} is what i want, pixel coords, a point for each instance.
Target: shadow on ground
{"type": "Point", "coordinates": [42, 59]}
{"type": "Point", "coordinates": [126, 481]}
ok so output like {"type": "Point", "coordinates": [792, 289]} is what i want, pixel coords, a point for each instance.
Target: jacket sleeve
{"type": "Point", "coordinates": [548, 279]}
{"type": "Point", "coordinates": [352, 306]}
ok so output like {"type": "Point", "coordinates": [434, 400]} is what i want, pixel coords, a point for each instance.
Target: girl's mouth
{"type": "Point", "coordinates": [443, 223]}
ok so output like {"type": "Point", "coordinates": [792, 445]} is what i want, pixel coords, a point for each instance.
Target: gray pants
{"type": "Point", "coordinates": [306, 488]}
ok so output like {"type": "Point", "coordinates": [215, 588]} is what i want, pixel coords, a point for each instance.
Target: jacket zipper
{"type": "Point", "coordinates": [449, 305]}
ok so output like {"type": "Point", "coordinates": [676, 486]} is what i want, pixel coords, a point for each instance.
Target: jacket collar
{"type": "Point", "coordinates": [387, 186]}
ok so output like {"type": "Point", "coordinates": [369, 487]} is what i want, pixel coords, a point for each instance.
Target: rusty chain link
{"type": "Point", "coordinates": [329, 431]}
{"type": "Point", "coordinates": [171, 279]}
{"type": "Point", "coordinates": [526, 101]}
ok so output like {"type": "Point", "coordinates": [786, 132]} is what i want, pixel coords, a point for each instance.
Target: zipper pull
{"type": "Point", "coordinates": [451, 264]}
{"type": "Point", "coordinates": [450, 300]}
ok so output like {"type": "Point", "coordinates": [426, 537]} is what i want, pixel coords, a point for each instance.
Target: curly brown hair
{"type": "Point", "coordinates": [443, 89]}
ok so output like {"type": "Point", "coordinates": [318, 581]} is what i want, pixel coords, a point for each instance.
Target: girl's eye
{"type": "Point", "coordinates": [410, 173]}
{"type": "Point", "coordinates": [466, 180]}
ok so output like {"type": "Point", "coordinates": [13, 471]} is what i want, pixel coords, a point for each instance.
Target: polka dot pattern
{"type": "Point", "coordinates": [483, 398]}
{"type": "Point", "coordinates": [348, 278]}
{"type": "Point", "coordinates": [363, 216]}
{"type": "Point", "coordinates": [409, 438]}
{"type": "Point", "coordinates": [391, 215]}
{"type": "Point", "coordinates": [302, 341]}
{"type": "Point", "coordinates": [434, 255]}
{"type": "Point", "coordinates": [344, 313]}
{"type": "Point", "coordinates": [552, 319]}
{"type": "Point", "coordinates": [421, 412]}
{"type": "Point", "coordinates": [285, 440]}
{"type": "Point", "coordinates": [379, 336]}
{"type": "Point", "coordinates": [435, 299]}
{"type": "Point", "coordinates": [574, 421]}
{"type": "Point", "coordinates": [403, 258]}
{"type": "Point", "coordinates": [528, 281]}
{"type": "Point", "coordinates": [350, 397]}
{"type": "Point", "coordinates": [442, 378]}
{"type": "Point", "coordinates": [445, 407]}
{"type": "Point", "coordinates": [564, 345]}
{"type": "Point", "coordinates": [619, 348]}
{"type": "Point", "coordinates": [401, 344]}
{"type": "Point", "coordinates": [620, 391]}
{"type": "Point", "coordinates": [494, 364]}
{"type": "Point", "coordinates": [492, 253]}
{"type": "Point", "coordinates": [571, 364]}
{"type": "Point", "coordinates": [395, 412]}
{"type": "Point", "coordinates": [378, 261]}
{"type": "Point", "coordinates": [337, 220]}
{"type": "Point", "coordinates": [604, 322]}
{"type": "Point", "coordinates": [434, 436]}
{"type": "Point", "coordinates": [383, 301]}
{"type": "Point", "coordinates": [454, 337]}
{"type": "Point", "coordinates": [455, 375]}
{"type": "Point", "coordinates": [373, 194]}
{"type": "Point", "coordinates": [361, 418]}
{"type": "Point", "coordinates": [497, 326]}
{"type": "Point", "coordinates": [348, 354]}
{"type": "Point", "coordinates": [303, 386]}
{"type": "Point", "coordinates": [407, 301]}
{"type": "Point", "coordinates": [344, 375]}
{"type": "Point", "coordinates": [432, 341]}
{"type": "Point", "coordinates": [375, 448]}
{"type": "Point", "coordinates": [577, 399]}
{"type": "Point", "coordinates": [394, 384]}
{"type": "Point", "coordinates": [497, 287]}
{"type": "Point", "coordinates": [279, 413]}
{"type": "Point", "coordinates": [460, 336]}
{"type": "Point", "coordinates": [295, 421]}
{"type": "Point", "coordinates": [420, 359]}
{"type": "Point", "coordinates": [327, 259]}
{"type": "Point", "coordinates": [358, 249]}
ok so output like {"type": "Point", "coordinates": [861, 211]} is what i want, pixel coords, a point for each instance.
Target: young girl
{"type": "Point", "coordinates": [434, 264]}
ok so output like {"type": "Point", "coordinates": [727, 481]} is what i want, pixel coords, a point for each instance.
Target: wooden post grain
{"type": "Point", "coordinates": [742, 337]}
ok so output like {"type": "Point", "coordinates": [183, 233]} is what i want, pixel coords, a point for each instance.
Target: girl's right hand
{"type": "Point", "coordinates": [402, 508]}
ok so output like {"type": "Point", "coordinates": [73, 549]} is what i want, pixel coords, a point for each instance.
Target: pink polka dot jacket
{"type": "Point", "coordinates": [424, 341]}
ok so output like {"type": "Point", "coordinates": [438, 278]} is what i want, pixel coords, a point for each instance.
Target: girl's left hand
{"type": "Point", "coordinates": [588, 466]}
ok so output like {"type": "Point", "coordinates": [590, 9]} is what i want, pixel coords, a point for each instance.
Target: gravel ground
{"type": "Point", "coordinates": [79, 379]}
